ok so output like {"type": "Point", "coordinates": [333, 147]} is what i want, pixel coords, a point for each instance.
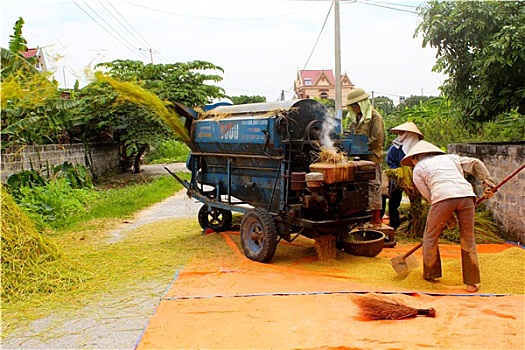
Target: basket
{"type": "Point", "coordinates": [364, 242]}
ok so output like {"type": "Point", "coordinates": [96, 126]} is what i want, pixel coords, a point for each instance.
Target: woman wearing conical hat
{"type": "Point", "coordinates": [440, 179]}
{"type": "Point", "coordinates": [408, 135]}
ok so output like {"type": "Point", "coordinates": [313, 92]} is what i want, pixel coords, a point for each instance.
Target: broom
{"type": "Point", "coordinates": [375, 307]}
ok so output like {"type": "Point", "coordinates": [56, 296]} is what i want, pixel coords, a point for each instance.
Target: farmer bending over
{"type": "Point", "coordinates": [440, 179]}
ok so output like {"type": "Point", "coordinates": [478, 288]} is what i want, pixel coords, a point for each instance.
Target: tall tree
{"type": "Point", "coordinates": [384, 104]}
{"type": "Point", "coordinates": [481, 47]}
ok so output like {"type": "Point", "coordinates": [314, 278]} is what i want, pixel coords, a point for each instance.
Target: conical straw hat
{"type": "Point", "coordinates": [420, 148]}
{"type": "Point", "coordinates": [408, 126]}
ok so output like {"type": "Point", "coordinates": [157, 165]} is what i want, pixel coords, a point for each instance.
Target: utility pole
{"type": "Point", "coordinates": [150, 53]}
{"type": "Point", "coordinates": [338, 92]}
{"type": "Point", "coordinates": [64, 74]}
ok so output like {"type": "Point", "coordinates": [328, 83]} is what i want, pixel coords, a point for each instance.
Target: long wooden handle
{"type": "Point", "coordinates": [496, 188]}
{"type": "Point", "coordinates": [413, 249]}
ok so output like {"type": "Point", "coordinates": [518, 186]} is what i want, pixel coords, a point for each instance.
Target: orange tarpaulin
{"type": "Point", "coordinates": [235, 303]}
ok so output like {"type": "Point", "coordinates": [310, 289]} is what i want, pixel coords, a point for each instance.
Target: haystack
{"type": "Point", "coordinates": [31, 262]}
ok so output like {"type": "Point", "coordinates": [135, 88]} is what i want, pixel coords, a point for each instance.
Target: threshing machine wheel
{"type": "Point", "coordinates": [215, 218]}
{"type": "Point", "coordinates": [258, 235]}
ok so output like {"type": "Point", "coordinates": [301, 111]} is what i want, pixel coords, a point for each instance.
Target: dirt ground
{"type": "Point", "coordinates": [240, 304]}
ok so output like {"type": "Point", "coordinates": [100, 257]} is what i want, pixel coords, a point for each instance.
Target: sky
{"type": "Point", "coordinates": [260, 44]}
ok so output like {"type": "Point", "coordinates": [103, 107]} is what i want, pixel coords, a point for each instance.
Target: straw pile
{"type": "Point", "coordinates": [325, 247]}
{"type": "Point", "coordinates": [331, 155]}
{"type": "Point", "coordinates": [31, 263]}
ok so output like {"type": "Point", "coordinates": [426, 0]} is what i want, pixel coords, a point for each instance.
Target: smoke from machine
{"type": "Point", "coordinates": [329, 125]}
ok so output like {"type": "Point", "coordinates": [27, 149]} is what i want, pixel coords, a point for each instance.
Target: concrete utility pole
{"type": "Point", "coordinates": [338, 92]}
{"type": "Point", "coordinates": [150, 53]}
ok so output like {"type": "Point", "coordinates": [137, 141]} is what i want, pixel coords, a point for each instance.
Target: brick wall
{"type": "Point", "coordinates": [508, 204]}
{"type": "Point", "coordinates": [105, 157]}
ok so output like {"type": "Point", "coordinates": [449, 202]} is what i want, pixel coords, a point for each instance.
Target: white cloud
{"type": "Point", "coordinates": [259, 43]}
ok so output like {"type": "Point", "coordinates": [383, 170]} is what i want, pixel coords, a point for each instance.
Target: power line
{"type": "Point", "coordinates": [145, 42]}
{"type": "Point", "coordinates": [120, 23]}
{"type": "Point", "coordinates": [218, 18]}
{"type": "Point", "coordinates": [136, 52]}
{"type": "Point", "coordinates": [317, 41]}
{"type": "Point", "coordinates": [377, 4]}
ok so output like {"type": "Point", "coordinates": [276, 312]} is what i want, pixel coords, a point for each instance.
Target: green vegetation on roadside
{"type": "Point", "coordinates": [170, 151]}
{"type": "Point", "coordinates": [83, 261]}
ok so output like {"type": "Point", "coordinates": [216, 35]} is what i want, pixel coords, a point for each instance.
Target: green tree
{"type": "Point", "coordinates": [481, 47]}
{"type": "Point", "coordinates": [384, 105]}
{"type": "Point", "coordinates": [139, 127]}
{"type": "Point", "coordinates": [414, 101]}
{"type": "Point", "coordinates": [243, 99]}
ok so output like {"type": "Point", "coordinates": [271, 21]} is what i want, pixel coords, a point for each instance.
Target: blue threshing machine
{"type": "Point", "coordinates": [259, 159]}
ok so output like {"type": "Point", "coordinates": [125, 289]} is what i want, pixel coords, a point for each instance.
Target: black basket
{"type": "Point", "coordinates": [364, 242]}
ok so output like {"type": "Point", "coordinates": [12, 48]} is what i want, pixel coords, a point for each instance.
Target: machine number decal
{"type": "Point", "coordinates": [229, 131]}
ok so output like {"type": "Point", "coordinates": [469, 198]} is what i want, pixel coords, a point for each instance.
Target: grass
{"type": "Point", "coordinates": [142, 256]}
{"type": "Point", "coordinates": [120, 200]}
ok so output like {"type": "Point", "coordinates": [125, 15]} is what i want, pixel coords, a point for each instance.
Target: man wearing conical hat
{"type": "Point", "coordinates": [363, 119]}
{"type": "Point", "coordinates": [440, 179]}
{"type": "Point", "coordinates": [408, 135]}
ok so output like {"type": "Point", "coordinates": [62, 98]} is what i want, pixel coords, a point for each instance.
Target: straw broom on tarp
{"type": "Point", "coordinates": [377, 307]}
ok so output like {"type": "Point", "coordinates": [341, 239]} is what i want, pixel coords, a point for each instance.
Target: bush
{"type": "Point", "coordinates": [168, 152]}
{"type": "Point", "coordinates": [53, 203]}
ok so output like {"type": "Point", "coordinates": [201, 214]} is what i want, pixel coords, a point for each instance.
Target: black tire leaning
{"type": "Point", "coordinates": [258, 235]}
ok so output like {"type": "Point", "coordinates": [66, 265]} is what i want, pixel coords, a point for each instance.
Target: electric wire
{"type": "Point", "coordinates": [109, 32]}
{"type": "Point", "coordinates": [218, 18]}
{"type": "Point", "coordinates": [377, 4]}
{"type": "Point", "coordinates": [144, 41]}
{"type": "Point", "coordinates": [317, 41]}
{"type": "Point", "coordinates": [131, 35]}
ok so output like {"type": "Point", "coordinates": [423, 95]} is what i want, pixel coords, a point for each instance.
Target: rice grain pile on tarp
{"type": "Point", "coordinates": [31, 262]}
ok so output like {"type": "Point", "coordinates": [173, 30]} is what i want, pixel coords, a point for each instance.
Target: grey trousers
{"type": "Point", "coordinates": [437, 219]}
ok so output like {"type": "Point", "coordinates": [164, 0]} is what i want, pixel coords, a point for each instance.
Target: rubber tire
{"type": "Point", "coordinates": [258, 235]}
{"type": "Point", "coordinates": [216, 219]}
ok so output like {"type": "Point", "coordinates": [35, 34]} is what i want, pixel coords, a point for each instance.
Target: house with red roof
{"type": "Point", "coordinates": [39, 58]}
{"type": "Point", "coordinates": [320, 83]}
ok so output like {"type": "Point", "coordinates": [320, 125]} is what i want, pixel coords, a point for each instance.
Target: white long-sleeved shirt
{"type": "Point", "coordinates": [441, 177]}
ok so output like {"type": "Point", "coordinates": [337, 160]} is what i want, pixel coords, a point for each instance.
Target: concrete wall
{"type": "Point", "coordinates": [105, 157]}
{"type": "Point", "coordinates": [508, 204]}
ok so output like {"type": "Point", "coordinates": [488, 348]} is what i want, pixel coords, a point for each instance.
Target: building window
{"type": "Point", "coordinates": [308, 81]}
{"type": "Point", "coordinates": [324, 95]}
